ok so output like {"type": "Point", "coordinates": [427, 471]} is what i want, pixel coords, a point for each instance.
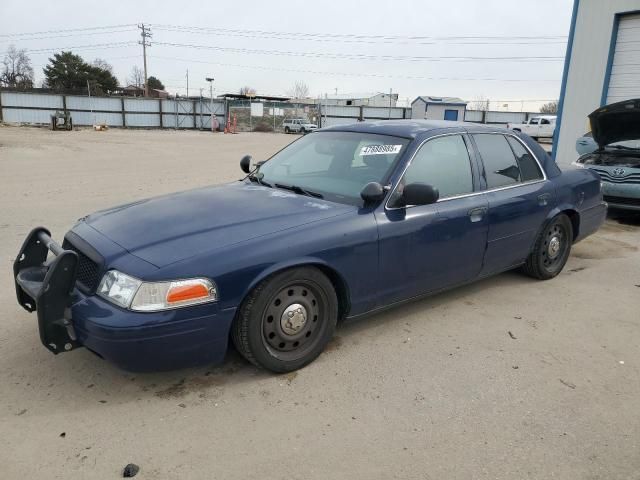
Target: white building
{"type": "Point", "coordinates": [438, 108]}
{"type": "Point", "coordinates": [355, 100]}
{"type": "Point", "coordinates": [602, 66]}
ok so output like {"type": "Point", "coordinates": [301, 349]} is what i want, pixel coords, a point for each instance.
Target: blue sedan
{"type": "Point", "coordinates": [341, 223]}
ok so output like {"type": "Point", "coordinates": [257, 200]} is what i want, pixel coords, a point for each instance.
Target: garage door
{"type": "Point", "coordinates": [624, 82]}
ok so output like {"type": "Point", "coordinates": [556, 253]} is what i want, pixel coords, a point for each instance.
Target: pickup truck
{"type": "Point", "coordinates": [536, 127]}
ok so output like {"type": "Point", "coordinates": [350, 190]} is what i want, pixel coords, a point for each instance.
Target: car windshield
{"type": "Point", "coordinates": [333, 165]}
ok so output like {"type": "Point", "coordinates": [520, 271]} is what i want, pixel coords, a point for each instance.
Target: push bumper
{"type": "Point", "coordinates": [135, 341]}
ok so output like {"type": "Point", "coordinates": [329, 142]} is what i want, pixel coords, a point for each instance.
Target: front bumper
{"type": "Point", "coordinates": [136, 341]}
{"type": "Point", "coordinates": [622, 195]}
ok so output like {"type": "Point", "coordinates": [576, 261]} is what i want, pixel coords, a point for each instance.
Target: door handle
{"type": "Point", "coordinates": [543, 199]}
{"type": "Point", "coordinates": [477, 214]}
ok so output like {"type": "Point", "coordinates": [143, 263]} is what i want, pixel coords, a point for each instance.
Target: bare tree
{"type": "Point", "coordinates": [103, 64]}
{"type": "Point", "coordinates": [17, 71]}
{"type": "Point", "coordinates": [136, 77]}
{"type": "Point", "coordinates": [550, 108]}
{"type": "Point", "coordinates": [299, 90]}
{"type": "Point", "coordinates": [480, 104]}
{"type": "Point", "coordinates": [246, 90]}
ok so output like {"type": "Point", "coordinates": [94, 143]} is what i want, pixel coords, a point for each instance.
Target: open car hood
{"type": "Point", "coordinates": [616, 122]}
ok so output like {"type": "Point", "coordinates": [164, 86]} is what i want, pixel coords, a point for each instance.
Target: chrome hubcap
{"type": "Point", "coordinates": [293, 319]}
{"type": "Point", "coordinates": [554, 247]}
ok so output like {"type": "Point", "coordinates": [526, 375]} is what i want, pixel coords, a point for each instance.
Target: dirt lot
{"type": "Point", "coordinates": [509, 378]}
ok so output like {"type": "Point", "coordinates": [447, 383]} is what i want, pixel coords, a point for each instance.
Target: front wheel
{"type": "Point", "coordinates": [287, 320]}
{"type": "Point", "coordinates": [303, 131]}
{"type": "Point", "coordinates": [551, 250]}
{"type": "Point", "coordinates": [286, 130]}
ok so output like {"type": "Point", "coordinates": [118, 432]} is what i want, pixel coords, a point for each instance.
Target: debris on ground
{"type": "Point", "coordinates": [63, 434]}
{"type": "Point", "coordinates": [568, 384]}
{"type": "Point", "coordinates": [131, 470]}
{"type": "Point", "coordinates": [512, 335]}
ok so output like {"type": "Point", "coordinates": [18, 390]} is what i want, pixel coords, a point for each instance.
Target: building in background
{"type": "Point", "coordinates": [355, 100]}
{"type": "Point", "coordinates": [438, 108]}
{"type": "Point", "coordinates": [602, 66]}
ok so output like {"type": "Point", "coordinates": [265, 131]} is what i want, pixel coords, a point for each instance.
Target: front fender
{"type": "Point", "coordinates": [300, 262]}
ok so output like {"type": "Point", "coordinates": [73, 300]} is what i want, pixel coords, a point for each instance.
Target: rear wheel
{"type": "Point", "coordinates": [286, 130]}
{"type": "Point", "coordinates": [551, 250]}
{"type": "Point", "coordinates": [287, 320]}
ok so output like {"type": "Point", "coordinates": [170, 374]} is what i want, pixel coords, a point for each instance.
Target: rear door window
{"type": "Point", "coordinates": [500, 165]}
{"type": "Point", "coordinates": [529, 168]}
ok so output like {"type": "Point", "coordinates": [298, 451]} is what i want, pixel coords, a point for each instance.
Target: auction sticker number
{"type": "Point", "coordinates": [380, 149]}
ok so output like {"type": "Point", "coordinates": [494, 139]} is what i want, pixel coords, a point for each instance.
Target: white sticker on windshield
{"type": "Point", "coordinates": [380, 149]}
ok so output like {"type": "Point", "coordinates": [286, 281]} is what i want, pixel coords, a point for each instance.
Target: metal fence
{"type": "Point", "coordinates": [37, 108]}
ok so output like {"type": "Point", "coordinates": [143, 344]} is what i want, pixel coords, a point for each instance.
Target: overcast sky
{"type": "Point", "coordinates": [351, 46]}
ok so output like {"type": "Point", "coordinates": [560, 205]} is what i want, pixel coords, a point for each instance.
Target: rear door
{"type": "Point", "coordinates": [519, 197]}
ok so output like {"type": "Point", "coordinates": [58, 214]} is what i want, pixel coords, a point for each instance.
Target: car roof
{"type": "Point", "coordinates": [411, 128]}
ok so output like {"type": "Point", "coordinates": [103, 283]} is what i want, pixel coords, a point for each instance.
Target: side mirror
{"type": "Point", "coordinates": [245, 163]}
{"type": "Point", "coordinates": [372, 192]}
{"type": "Point", "coordinates": [419, 194]}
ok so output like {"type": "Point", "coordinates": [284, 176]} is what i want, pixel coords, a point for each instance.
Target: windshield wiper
{"type": "Point", "coordinates": [255, 177]}
{"type": "Point", "coordinates": [299, 190]}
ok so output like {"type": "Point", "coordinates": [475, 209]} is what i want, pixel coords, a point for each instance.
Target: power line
{"type": "Point", "coordinates": [84, 47]}
{"type": "Point", "coordinates": [67, 30]}
{"type": "Point", "coordinates": [359, 56]}
{"type": "Point", "coordinates": [363, 36]}
{"type": "Point", "coordinates": [69, 35]}
{"type": "Point", "coordinates": [350, 74]}
{"type": "Point", "coordinates": [498, 41]}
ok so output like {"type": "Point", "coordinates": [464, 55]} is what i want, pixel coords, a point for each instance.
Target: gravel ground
{"type": "Point", "coordinates": [508, 378]}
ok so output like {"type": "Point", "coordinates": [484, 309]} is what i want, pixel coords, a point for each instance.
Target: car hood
{"type": "Point", "coordinates": [616, 122]}
{"type": "Point", "coordinates": [170, 228]}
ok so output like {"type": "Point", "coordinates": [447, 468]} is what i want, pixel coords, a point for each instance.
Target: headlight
{"type": "Point", "coordinates": [118, 288]}
{"type": "Point", "coordinates": [134, 294]}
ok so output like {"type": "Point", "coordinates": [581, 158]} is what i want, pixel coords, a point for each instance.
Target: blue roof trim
{"type": "Point", "coordinates": [565, 75]}
{"type": "Point", "coordinates": [612, 51]}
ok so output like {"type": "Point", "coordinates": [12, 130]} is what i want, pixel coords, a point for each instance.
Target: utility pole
{"type": "Point", "coordinates": [145, 33]}
{"type": "Point", "coordinates": [390, 97]}
{"type": "Point", "coordinates": [210, 80]}
{"type": "Point", "coordinates": [187, 83]}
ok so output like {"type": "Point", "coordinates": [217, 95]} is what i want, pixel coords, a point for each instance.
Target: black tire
{"type": "Point", "coordinates": [270, 330]}
{"type": "Point", "coordinates": [549, 257]}
{"type": "Point", "coordinates": [303, 131]}
{"type": "Point", "coordinates": [286, 129]}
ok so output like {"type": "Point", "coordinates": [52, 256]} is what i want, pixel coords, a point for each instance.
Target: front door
{"type": "Point", "coordinates": [431, 247]}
